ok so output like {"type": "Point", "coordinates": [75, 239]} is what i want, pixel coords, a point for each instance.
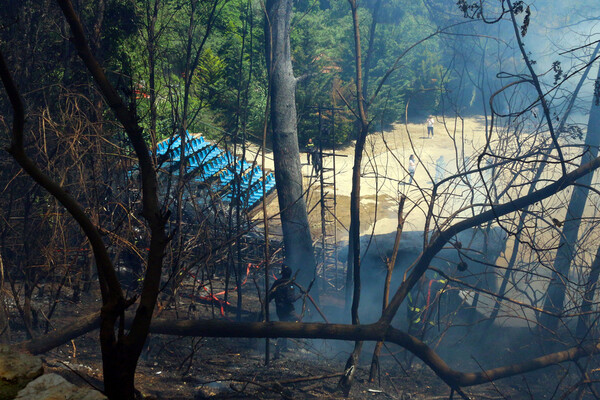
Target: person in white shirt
{"type": "Point", "coordinates": [412, 165]}
{"type": "Point", "coordinates": [430, 122]}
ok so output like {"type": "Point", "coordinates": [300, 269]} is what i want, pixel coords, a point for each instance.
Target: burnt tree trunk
{"type": "Point", "coordinates": [390, 263]}
{"type": "Point", "coordinates": [288, 173]}
{"type": "Point", "coordinates": [567, 247]}
{"type": "Point", "coordinates": [345, 382]}
{"type": "Point", "coordinates": [4, 326]}
{"type": "Point", "coordinates": [583, 323]}
{"type": "Point", "coordinates": [371, 332]}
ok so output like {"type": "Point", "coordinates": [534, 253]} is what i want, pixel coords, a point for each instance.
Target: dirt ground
{"type": "Point", "coordinates": [384, 173]}
{"type": "Point", "coordinates": [385, 169]}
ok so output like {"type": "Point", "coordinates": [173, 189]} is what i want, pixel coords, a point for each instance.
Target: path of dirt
{"type": "Point", "coordinates": [384, 171]}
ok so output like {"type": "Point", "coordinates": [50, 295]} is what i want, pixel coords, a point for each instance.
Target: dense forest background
{"type": "Point", "coordinates": [208, 58]}
{"type": "Point", "coordinates": [211, 55]}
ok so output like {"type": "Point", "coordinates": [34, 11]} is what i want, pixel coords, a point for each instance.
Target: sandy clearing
{"type": "Point", "coordinates": [385, 174]}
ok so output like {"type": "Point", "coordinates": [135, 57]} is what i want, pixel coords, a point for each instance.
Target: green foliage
{"type": "Point", "coordinates": [228, 86]}
{"type": "Point", "coordinates": [323, 51]}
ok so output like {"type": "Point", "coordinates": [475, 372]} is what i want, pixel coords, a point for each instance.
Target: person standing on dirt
{"type": "Point", "coordinates": [439, 169]}
{"type": "Point", "coordinates": [430, 122]}
{"type": "Point", "coordinates": [317, 162]}
{"type": "Point", "coordinates": [284, 293]}
{"type": "Point", "coordinates": [310, 150]}
{"type": "Point", "coordinates": [412, 166]}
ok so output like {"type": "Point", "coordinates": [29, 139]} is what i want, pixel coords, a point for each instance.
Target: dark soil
{"type": "Point", "coordinates": [185, 368]}
{"type": "Point", "coordinates": [222, 368]}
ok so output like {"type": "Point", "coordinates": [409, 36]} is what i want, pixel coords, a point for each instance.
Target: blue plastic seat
{"type": "Point", "coordinates": [210, 168]}
{"type": "Point", "coordinates": [258, 191]}
{"type": "Point", "coordinates": [216, 166]}
{"type": "Point", "coordinates": [253, 200]}
{"type": "Point", "coordinates": [255, 180]}
{"type": "Point", "coordinates": [166, 146]}
{"type": "Point", "coordinates": [198, 145]}
{"type": "Point", "coordinates": [256, 195]}
{"type": "Point", "coordinates": [224, 178]}
{"type": "Point", "coordinates": [269, 186]}
{"type": "Point", "coordinates": [194, 163]}
{"type": "Point", "coordinates": [208, 155]}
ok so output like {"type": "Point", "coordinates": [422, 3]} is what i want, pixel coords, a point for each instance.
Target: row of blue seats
{"type": "Point", "coordinates": [214, 160]}
{"type": "Point", "coordinates": [217, 164]}
{"type": "Point", "coordinates": [248, 179]}
{"type": "Point", "coordinates": [245, 165]}
{"type": "Point", "coordinates": [251, 196]}
{"type": "Point", "coordinates": [192, 147]}
{"type": "Point", "coordinates": [172, 145]}
{"type": "Point", "coordinates": [224, 180]}
{"type": "Point", "coordinates": [238, 169]}
{"type": "Point", "coordinates": [247, 185]}
{"type": "Point", "coordinates": [196, 145]}
{"type": "Point", "coordinates": [256, 194]}
{"type": "Point", "coordinates": [203, 157]}
{"type": "Point", "coordinates": [229, 174]}
{"type": "Point", "coordinates": [255, 197]}
{"type": "Point", "coordinates": [241, 166]}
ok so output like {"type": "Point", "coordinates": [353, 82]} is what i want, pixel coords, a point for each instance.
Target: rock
{"type": "Point", "coordinates": [16, 371]}
{"type": "Point", "coordinates": [55, 387]}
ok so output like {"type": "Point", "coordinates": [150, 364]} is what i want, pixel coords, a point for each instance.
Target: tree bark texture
{"type": "Point", "coordinates": [583, 323]}
{"type": "Point", "coordinates": [288, 173]}
{"type": "Point", "coordinates": [4, 325]}
{"type": "Point", "coordinates": [345, 382]}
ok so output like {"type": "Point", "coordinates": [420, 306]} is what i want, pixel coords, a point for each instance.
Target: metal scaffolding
{"type": "Point", "coordinates": [327, 246]}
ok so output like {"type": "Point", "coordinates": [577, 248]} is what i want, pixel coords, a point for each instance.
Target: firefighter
{"type": "Point", "coordinates": [414, 305]}
{"type": "Point", "coordinates": [310, 149]}
{"type": "Point", "coordinates": [284, 293]}
{"type": "Point", "coordinates": [317, 162]}
{"type": "Point", "coordinates": [421, 301]}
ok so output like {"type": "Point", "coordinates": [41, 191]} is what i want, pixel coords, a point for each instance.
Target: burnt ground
{"type": "Point", "coordinates": [219, 368]}
{"type": "Point", "coordinates": [222, 368]}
